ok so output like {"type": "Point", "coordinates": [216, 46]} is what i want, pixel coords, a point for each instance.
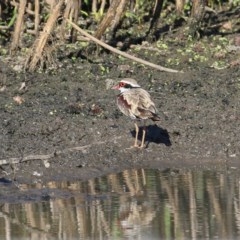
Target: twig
{"type": "Point", "coordinates": [47, 156]}
{"type": "Point", "coordinates": [126, 55]}
{"type": "Point", "coordinates": [27, 158]}
{"type": "Point", "coordinates": [37, 52]}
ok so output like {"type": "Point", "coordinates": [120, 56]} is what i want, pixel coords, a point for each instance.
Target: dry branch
{"type": "Point", "coordinates": [107, 20]}
{"type": "Point", "coordinates": [126, 55]}
{"type": "Point", "coordinates": [102, 7]}
{"type": "Point", "coordinates": [156, 15]}
{"type": "Point", "coordinates": [36, 16]}
{"type": "Point", "coordinates": [39, 45]}
{"type": "Point", "coordinates": [94, 6]}
{"type": "Point", "coordinates": [197, 14]}
{"type": "Point", "coordinates": [180, 6]}
{"type": "Point", "coordinates": [18, 25]}
{"type": "Point", "coordinates": [119, 12]}
{"type": "Point", "coordinates": [71, 11]}
{"type": "Point", "coordinates": [47, 157]}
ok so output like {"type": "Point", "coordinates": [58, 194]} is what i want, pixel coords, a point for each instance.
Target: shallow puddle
{"type": "Point", "coordinates": [134, 204]}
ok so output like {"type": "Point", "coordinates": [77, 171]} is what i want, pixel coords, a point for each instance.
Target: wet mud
{"type": "Point", "coordinates": [64, 125]}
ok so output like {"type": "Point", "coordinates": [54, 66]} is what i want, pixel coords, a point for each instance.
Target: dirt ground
{"type": "Point", "coordinates": [64, 124]}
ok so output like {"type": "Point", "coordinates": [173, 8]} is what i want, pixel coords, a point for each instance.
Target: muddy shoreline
{"type": "Point", "coordinates": [70, 119]}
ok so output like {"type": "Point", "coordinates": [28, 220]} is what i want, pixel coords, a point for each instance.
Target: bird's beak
{"type": "Point", "coordinates": [115, 87]}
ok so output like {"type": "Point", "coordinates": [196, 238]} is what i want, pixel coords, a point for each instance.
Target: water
{"type": "Point", "coordinates": [135, 204]}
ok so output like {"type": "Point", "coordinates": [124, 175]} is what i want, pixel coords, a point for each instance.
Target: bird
{"type": "Point", "coordinates": [136, 103]}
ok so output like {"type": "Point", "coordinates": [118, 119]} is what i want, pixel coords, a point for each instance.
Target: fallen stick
{"type": "Point", "coordinates": [114, 50]}
{"type": "Point", "coordinates": [47, 157]}
{"type": "Point", "coordinates": [27, 158]}
{"type": "Point", "coordinates": [40, 157]}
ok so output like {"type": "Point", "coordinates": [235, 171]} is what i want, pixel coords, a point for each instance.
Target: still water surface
{"type": "Point", "coordinates": [135, 204]}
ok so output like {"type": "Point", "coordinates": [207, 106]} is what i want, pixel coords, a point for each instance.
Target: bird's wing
{"type": "Point", "coordinates": [145, 101]}
{"type": "Point", "coordinates": [140, 102]}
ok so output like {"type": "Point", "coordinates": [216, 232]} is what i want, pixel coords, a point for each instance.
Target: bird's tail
{"type": "Point", "coordinates": [155, 117]}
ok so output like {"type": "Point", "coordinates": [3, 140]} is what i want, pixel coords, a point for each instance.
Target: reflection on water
{"type": "Point", "coordinates": [134, 204]}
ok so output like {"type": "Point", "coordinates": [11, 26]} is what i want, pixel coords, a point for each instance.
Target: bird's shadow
{"type": "Point", "coordinates": [154, 134]}
{"type": "Point", "coordinates": [5, 181]}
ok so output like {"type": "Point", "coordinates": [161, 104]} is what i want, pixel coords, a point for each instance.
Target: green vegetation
{"type": "Point", "coordinates": [34, 29]}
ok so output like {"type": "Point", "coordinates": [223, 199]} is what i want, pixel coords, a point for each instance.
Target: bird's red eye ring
{"type": "Point", "coordinates": [121, 84]}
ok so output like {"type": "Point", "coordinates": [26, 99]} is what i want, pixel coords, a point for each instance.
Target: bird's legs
{"type": "Point", "coordinates": [143, 135]}
{"type": "Point", "coordinates": [136, 137]}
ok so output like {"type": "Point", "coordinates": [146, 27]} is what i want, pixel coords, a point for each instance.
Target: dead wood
{"type": "Point", "coordinates": [76, 9]}
{"type": "Point", "coordinates": [102, 7]}
{"type": "Point", "coordinates": [155, 17]}
{"type": "Point", "coordinates": [36, 16]}
{"type": "Point", "coordinates": [47, 157]}
{"type": "Point", "coordinates": [37, 54]}
{"type": "Point", "coordinates": [119, 13]}
{"type": "Point", "coordinates": [126, 55]}
{"type": "Point", "coordinates": [197, 14]}
{"type": "Point", "coordinates": [108, 18]}
{"type": "Point", "coordinates": [71, 11]}
{"type": "Point", "coordinates": [180, 6]}
{"type": "Point", "coordinates": [94, 6]}
{"type": "Point", "coordinates": [18, 26]}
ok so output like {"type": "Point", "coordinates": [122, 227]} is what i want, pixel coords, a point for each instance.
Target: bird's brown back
{"type": "Point", "coordinates": [137, 103]}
